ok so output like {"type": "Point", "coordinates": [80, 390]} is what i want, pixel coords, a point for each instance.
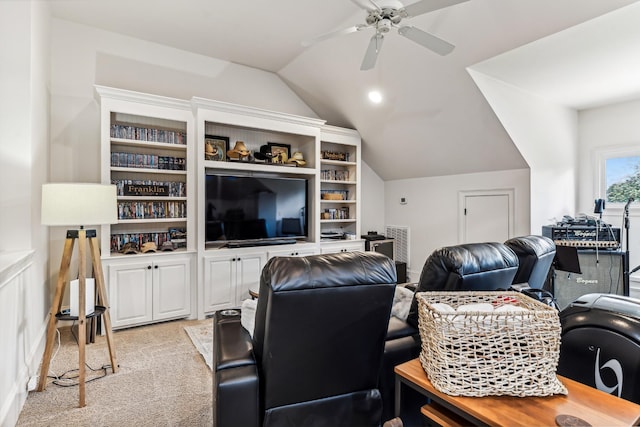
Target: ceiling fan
{"type": "Point", "coordinates": [382, 15]}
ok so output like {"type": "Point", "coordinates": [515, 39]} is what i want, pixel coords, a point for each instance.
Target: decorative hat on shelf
{"type": "Point", "coordinates": [210, 151]}
{"type": "Point", "coordinates": [264, 154]}
{"type": "Point", "coordinates": [297, 158]}
{"type": "Point", "coordinates": [129, 248]}
{"type": "Point", "coordinates": [149, 247]}
{"type": "Point", "coordinates": [240, 150]}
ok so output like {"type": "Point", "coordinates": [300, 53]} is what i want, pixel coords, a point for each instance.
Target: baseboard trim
{"type": "Point", "coordinates": [17, 396]}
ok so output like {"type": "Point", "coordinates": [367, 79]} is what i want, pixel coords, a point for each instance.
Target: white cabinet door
{"type": "Point", "coordinates": [130, 290]}
{"type": "Point", "coordinates": [171, 288]}
{"type": "Point", "coordinates": [219, 282]}
{"type": "Point", "coordinates": [228, 278]}
{"type": "Point", "coordinates": [248, 270]}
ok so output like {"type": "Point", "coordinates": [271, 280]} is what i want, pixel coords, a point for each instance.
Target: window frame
{"type": "Point", "coordinates": [601, 169]}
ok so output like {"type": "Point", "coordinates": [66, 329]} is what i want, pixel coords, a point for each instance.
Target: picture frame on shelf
{"type": "Point", "coordinates": [216, 147]}
{"type": "Point", "coordinates": [280, 152]}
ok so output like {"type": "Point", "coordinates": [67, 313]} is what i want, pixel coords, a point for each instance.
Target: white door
{"type": "Point", "coordinates": [219, 282]}
{"type": "Point", "coordinates": [171, 288]}
{"type": "Point", "coordinates": [130, 293]}
{"type": "Point", "coordinates": [487, 217]}
{"type": "Point", "coordinates": [248, 270]}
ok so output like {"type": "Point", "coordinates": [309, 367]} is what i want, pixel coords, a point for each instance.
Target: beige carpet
{"type": "Point", "coordinates": [162, 381]}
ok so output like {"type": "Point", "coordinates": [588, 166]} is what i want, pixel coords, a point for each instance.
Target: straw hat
{"type": "Point", "coordinates": [148, 247]}
{"type": "Point", "coordinates": [297, 158]}
{"type": "Point", "coordinates": [240, 150]}
{"type": "Point", "coordinates": [129, 248]}
{"type": "Point", "coordinates": [210, 151]}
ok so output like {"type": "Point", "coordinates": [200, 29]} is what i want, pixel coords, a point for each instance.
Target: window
{"type": "Point", "coordinates": [622, 179]}
{"type": "Point", "coordinates": [620, 175]}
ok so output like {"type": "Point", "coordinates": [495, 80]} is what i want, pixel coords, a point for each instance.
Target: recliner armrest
{"type": "Point", "coordinates": [235, 376]}
{"type": "Point", "coordinates": [232, 344]}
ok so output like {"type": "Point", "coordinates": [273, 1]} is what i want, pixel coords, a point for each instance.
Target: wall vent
{"type": "Point", "coordinates": [400, 236]}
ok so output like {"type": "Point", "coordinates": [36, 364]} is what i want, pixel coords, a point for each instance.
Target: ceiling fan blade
{"type": "Point", "coordinates": [427, 40]}
{"type": "Point", "coordinates": [424, 6]}
{"type": "Point", "coordinates": [331, 34]}
{"type": "Point", "coordinates": [370, 57]}
{"type": "Point", "coordinates": [371, 2]}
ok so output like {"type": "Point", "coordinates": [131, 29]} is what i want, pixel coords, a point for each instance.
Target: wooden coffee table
{"type": "Point", "coordinates": [589, 404]}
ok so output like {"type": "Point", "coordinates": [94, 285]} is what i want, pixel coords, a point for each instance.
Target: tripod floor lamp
{"type": "Point", "coordinates": [75, 204]}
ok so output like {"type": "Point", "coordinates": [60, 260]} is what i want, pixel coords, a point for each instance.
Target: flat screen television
{"type": "Point", "coordinates": [254, 208]}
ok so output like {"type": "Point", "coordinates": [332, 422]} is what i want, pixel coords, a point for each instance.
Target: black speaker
{"type": "Point", "coordinates": [401, 272]}
{"type": "Point", "coordinates": [601, 273]}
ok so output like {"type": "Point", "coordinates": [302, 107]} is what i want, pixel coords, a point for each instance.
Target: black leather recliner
{"type": "Point", "coordinates": [535, 256]}
{"type": "Point", "coordinates": [314, 359]}
{"type": "Point", "coordinates": [474, 266]}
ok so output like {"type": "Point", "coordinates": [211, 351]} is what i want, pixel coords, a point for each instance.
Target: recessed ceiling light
{"type": "Point", "coordinates": [375, 97]}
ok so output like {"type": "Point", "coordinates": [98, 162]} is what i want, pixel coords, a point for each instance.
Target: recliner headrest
{"type": "Point", "coordinates": [326, 271]}
{"type": "Point", "coordinates": [473, 258]}
{"type": "Point", "coordinates": [471, 266]}
{"type": "Point", "coordinates": [535, 245]}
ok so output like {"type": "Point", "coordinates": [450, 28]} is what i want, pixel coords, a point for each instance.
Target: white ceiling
{"type": "Point", "coordinates": [434, 120]}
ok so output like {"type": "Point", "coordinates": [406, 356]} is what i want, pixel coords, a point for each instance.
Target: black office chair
{"type": "Point", "coordinates": [317, 347]}
{"type": "Point", "coordinates": [291, 227]}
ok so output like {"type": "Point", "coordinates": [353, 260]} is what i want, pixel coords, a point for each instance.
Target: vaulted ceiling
{"type": "Point", "coordinates": [433, 120]}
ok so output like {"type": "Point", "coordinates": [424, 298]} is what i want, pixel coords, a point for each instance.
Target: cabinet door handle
{"type": "Point", "coordinates": [155, 266]}
{"type": "Point", "coordinates": [238, 259]}
{"type": "Point", "coordinates": [148, 267]}
{"type": "Point", "coordinates": [233, 259]}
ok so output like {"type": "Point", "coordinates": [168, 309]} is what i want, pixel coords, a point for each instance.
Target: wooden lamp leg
{"type": "Point", "coordinates": [82, 313]}
{"type": "Point", "coordinates": [55, 308]}
{"type": "Point", "coordinates": [102, 295]}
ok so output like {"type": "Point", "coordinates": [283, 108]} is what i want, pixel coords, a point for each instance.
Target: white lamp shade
{"type": "Point", "coordinates": [79, 204]}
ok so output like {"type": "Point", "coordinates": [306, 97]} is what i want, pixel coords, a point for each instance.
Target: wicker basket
{"type": "Point", "coordinates": [332, 196]}
{"type": "Point", "coordinates": [483, 353]}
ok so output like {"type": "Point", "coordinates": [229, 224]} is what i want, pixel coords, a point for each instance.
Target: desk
{"type": "Point", "coordinates": [594, 406]}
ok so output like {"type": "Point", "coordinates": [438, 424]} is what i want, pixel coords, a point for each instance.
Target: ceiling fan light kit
{"type": "Point", "coordinates": [382, 15]}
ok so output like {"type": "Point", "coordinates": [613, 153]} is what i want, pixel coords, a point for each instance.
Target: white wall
{"type": "Point", "coordinates": [432, 209]}
{"type": "Point", "coordinates": [24, 140]}
{"type": "Point", "coordinates": [546, 135]}
{"type": "Point", "coordinates": [373, 200]}
{"type": "Point", "coordinates": [608, 128]}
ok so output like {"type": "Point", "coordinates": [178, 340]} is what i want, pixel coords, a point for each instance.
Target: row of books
{"type": "Point", "coordinates": [174, 188]}
{"type": "Point", "coordinates": [139, 133]}
{"type": "Point", "coordinates": [340, 213]}
{"type": "Point", "coordinates": [148, 161]}
{"type": "Point", "coordinates": [177, 236]}
{"type": "Point", "coordinates": [151, 210]}
{"type": "Point", "coordinates": [334, 175]}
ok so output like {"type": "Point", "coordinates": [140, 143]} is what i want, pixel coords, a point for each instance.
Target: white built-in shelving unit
{"type": "Point", "coordinates": [195, 279]}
